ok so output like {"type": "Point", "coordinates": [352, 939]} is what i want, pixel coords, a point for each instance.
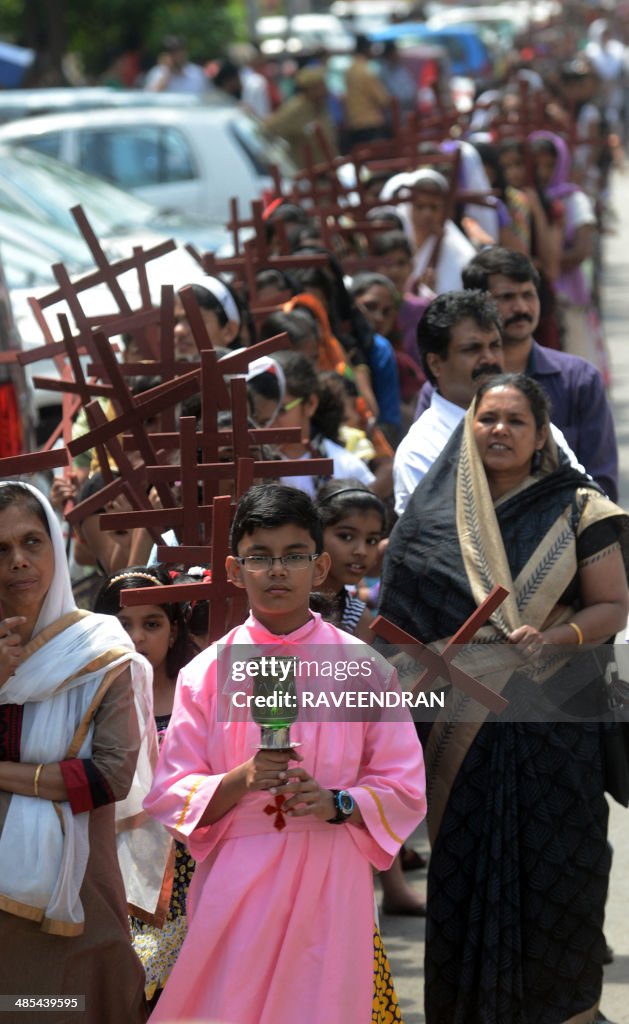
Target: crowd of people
{"type": "Point", "coordinates": [444, 353]}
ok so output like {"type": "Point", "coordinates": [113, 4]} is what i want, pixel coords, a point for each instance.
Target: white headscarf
{"type": "Point", "coordinates": [44, 847]}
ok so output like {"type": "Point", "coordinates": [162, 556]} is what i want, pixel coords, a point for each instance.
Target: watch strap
{"type": "Point", "coordinates": [341, 816]}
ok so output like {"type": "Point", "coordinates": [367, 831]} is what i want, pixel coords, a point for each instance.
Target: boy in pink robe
{"type": "Point", "coordinates": [281, 908]}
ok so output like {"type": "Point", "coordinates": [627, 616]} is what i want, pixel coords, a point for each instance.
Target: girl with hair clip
{"type": "Point", "coordinates": [159, 632]}
{"type": "Point", "coordinates": [354, 522]}
{"type": "Point", "coordinates": [288, 393]}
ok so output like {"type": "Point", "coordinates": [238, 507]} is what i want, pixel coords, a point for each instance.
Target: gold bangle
{"type": "Point", "coordinates": [578, 631]}
{"type": "Point", "coordinates": [36, 779]}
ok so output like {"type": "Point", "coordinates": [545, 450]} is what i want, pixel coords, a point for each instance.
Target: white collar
{"type": "Point", "coordinates": [447, 411]}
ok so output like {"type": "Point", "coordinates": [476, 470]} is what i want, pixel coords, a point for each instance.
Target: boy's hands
{"type": "Point", "coordinates": [305, 796]}
{"type": "Point", "coordinates": [268, 769]}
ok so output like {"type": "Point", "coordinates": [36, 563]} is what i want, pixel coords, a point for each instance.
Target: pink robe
{"type": "Point", "coordinates": [281, 922]}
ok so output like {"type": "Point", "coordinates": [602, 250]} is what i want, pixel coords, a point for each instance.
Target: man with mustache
{"type": "Point", "coordinates": [460, 342]}
{"type": "Point", "coordinates": [575, 388]}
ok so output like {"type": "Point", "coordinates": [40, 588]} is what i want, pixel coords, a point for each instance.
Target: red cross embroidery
{"type": "Point", "coordinates": [276, 809]}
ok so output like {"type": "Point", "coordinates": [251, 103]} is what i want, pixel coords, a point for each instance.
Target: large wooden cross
{"type": "Point", "coordinates": [439, 665]}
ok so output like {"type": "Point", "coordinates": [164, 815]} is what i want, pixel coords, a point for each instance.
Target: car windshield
{"type": "Point", "coordinates": [23, 267]}
{"type": "Point", "coordinates": [262, 150]}
{"type": "Point", "coordinates": [46, 189]}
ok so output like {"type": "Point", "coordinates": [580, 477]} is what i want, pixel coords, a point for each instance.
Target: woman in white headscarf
{"type": "Point", "coordinates": [75, 715]}
{"type": "Point", "coordinates": [440, 249]}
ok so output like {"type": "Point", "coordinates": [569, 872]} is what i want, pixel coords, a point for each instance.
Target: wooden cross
{"type": "Point", "coordinates": [191, 517]}
{"type": "Point", "coordinates": [227, 603]}
{"type": "Point", "coordinates": [440, 665]}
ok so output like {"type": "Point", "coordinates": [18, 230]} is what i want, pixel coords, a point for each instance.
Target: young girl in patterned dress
{"type": "Point", "coordinates": [160, 633]}
{"type": "Point", "coordinates": [354, 522]}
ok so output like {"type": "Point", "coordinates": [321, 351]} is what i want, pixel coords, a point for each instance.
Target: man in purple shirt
{"type": "Point", "coordinates": [579, 405]}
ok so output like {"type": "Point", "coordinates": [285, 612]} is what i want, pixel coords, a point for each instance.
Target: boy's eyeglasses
{"type": "Point", "coordinates": [262, 563]}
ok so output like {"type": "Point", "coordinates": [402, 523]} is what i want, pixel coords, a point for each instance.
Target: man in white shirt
{"type": "Point", "coordinates": [460, 342]}
{"type": "Point", "coordinates": [173, 72]}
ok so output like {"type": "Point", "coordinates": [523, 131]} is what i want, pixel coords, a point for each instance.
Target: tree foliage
{"type": "Point", "coordinates": [97, 31]}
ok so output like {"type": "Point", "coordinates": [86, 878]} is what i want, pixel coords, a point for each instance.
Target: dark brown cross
{"type": "Point", "coordinates": [193, 515]}
{"type": "Point", "coordinates": [440, 665]}
{"type": "Point", "coordinates": [227, 603]}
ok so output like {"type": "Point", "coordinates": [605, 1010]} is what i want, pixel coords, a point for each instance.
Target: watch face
{"type": "Point", "coordinates": [346, 802]}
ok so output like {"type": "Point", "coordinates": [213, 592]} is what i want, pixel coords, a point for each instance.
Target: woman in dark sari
{"type": "Point", "coordinates": [516, 809]}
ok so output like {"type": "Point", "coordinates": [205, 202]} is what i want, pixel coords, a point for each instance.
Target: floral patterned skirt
{"type": "Point", "coordinates": [158, 948]}
{"type": "Point", "coordinates": [386, 1009]}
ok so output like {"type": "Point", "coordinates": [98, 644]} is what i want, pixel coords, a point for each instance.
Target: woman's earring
{"type": "Point", "coordinates": [536, 462]}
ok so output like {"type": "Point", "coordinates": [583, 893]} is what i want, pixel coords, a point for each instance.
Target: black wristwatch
{"type": "Point", "coordinates": [343, 805]}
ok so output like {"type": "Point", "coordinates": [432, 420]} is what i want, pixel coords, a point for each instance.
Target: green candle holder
{"type": "Point", "coordinates": [275, 707]}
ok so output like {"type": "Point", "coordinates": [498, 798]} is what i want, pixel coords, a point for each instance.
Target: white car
{"type": "Point", "coordinates": [302, 33]}
{"type": "Point", "coordinates": [39, 187]}
{"type": "Point", "coordinates": [27, 251]}
{"type": "Point", "coordinates": [190, 160]}
{"type": "Point", "coordinates": [16, 103]}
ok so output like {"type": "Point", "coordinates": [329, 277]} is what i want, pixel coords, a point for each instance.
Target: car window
{"type": "Point", "coordinates": [261, 150]}
{"type": "Point", "coordinates": [456, 48]}
{"type": "Point", "coordinates": [135, 157]}
{"type": "Point", "coordinates": [49, 143]}
{"type": "Point", "coordinates": [46, 189]}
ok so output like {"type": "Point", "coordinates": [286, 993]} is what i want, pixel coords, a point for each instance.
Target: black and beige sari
{"type": "Point", "coordinates": [516, 808]}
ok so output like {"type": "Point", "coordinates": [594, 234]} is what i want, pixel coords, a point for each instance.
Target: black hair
{"type": "Point", "coordinates": [434, 331]}
{"type": "Point", "coordinates": [544, 146]}
{"type": "Point", "coordinates": [389, 241]}
{"type": "Point", "coordinates": [138, 385]}
{"type": "Point", "coordinates": [385, 215]}
{"type": "Point", "coordinates": [288, 212]}
{"type": "Point", "coordinates": [269, 506]}
{"type": "Point", "coordinates": [17, 494]}
{"type": "Point", "coordinates": [207, 300]}
{"type": "Point", "coordinates": [133, 578]}
{"type": "Point", "coordinates": [495, 259]}
{"type": "Point", "coordinates": [347, 321]}
{"type": "Point", "coordinates": [271, 277]}
{"type": "Point", "coordinates": [339, 498]}
{"type": "Point", "coordinates": [362, 45]}
{"type": "Point", "coordinates": [227, 72]}
{"type": "Point", "coordinates": [317, 277]}
{"type": "Point", "coordinates": [299, 325]}
{"type": "Point", "coordinates": [488, 153]}
{"type": "Point", "coordinates": [339, 383]}
{"type": "Point", "coordinates": [532, 391]}
{"type": "Point", "coordinates": [369, 279]}
{"type": "Point", "coordinates": [512, 146]}
{"type": "Point", "coordinates": [303, 236]}
{"type": "Point", "coordinates": [196, 612]}
{"type": "Point", "coordinates": [302, 381]}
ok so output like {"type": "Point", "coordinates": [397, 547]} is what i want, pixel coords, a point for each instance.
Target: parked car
{"type": "Point", "coordinates": [16, 103]}
{"type": "Point", "coordinates": [187, 160]}
{"type": "Point", "coordinates": [37, 231]}
{"type": "Point", "coordinates": [361, 16]}
{"type": "Point", "coordinates": [43, 188]}
{"type": "Point", "coordinates": [27, 254]}
{"type": "Point", "coordinates": [303, 33]}
{"type": "Point", "coordinates": [469, 56]}
{"type": "Point", "coordinates": [17, 412]}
